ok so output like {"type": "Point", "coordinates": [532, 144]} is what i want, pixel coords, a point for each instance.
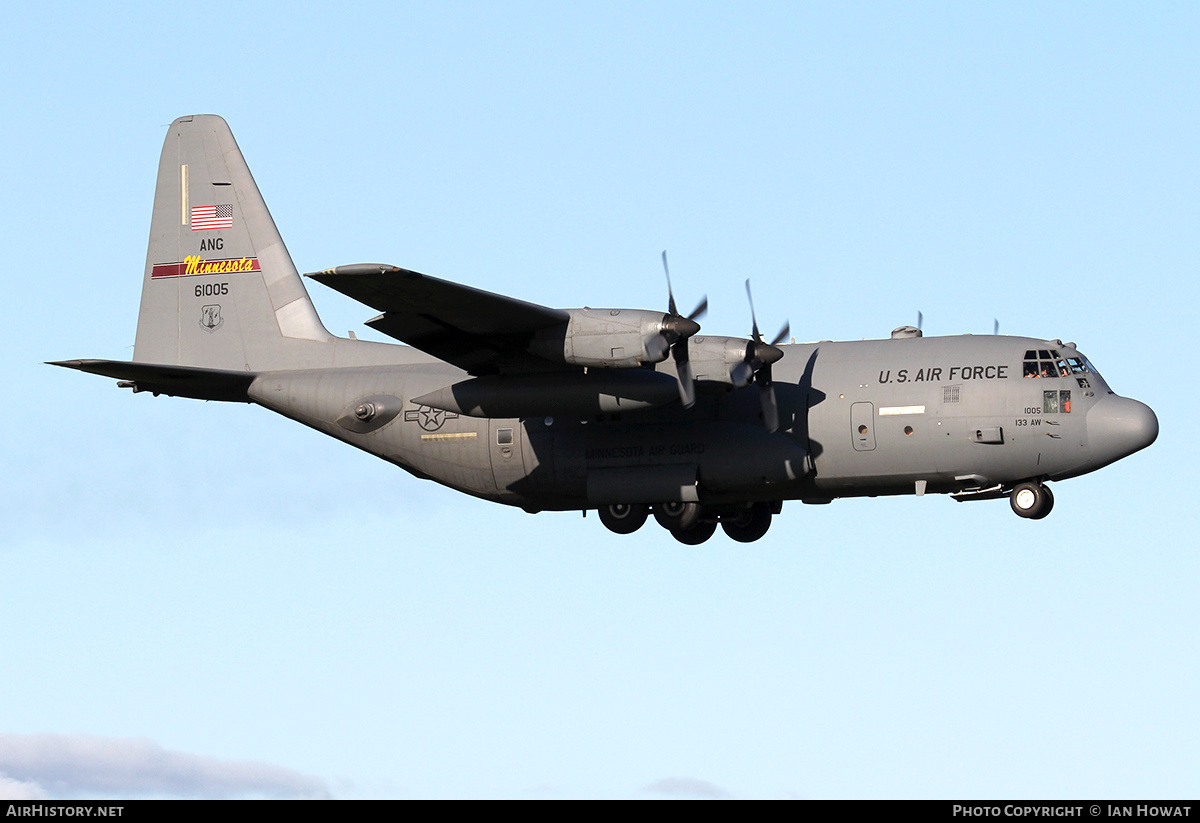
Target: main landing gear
{"type": "Point", "coordinates": [623, 518]}
{"type": "Point", "coordinates": [691, 523]}
{"type": "Point", "coordinates": [1032, 500]}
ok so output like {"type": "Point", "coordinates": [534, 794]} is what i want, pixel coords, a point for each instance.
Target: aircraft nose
{"type": "Point", "coordinates": [1119, 426]}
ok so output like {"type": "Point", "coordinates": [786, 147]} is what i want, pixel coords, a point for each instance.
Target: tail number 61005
{"type": "Point", "coordinates": [211, 289]}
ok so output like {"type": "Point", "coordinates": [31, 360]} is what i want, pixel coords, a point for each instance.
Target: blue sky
{"type": "Point", "coordinates": [261, 611]}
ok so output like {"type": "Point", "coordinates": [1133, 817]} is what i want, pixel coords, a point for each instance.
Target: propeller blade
{"type": "Point", "coordinates": [742, 374]}
{"type": "Point", "coordinates": [657, 348]}
{"type": "Point", "coordinates": [759, 357]}
{"type": "Point", "coordinates": [678, 329]}
{"type": "Point", "coordinates": [683, 370]}
{"type": "Point", "coordinates": [783, 333]}
{"type": "Point", "coordinates": [770, 409]}
{"type": "Point", "coordinates": [753, 318]}
{"type": "Point", "coordinates": [670, 293]}
{"type": "Point", "coordinates": [701, 307]}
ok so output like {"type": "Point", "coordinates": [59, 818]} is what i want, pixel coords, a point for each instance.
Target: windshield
{"type": "Point", "coordinates": [1039, 363]}
{"type": "Point", "coordinates": [1050, 363]}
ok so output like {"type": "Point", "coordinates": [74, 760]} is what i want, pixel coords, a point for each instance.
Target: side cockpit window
{"type": "Point", "coordinates": [1056, 402]}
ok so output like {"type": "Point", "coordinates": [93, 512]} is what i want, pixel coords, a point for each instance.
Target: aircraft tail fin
{"type": "Point", "coordinates": [220, 289]}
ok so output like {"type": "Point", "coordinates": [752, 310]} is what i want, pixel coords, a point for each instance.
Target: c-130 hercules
{"type": "Point", "coordinates": [630, 412]}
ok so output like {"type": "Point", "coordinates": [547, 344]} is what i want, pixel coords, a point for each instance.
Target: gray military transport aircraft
{"type": "Point", "coordinates": [630, 412]}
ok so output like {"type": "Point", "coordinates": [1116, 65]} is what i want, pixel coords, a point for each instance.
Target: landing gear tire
{"type": "Point", "coordinates": [623, 518]}
{"type": "Point", "coordinates": [1049, 503]}
{"type": "Point", "coordinates": [677, 517]}
{"type": "Point", "coordinates": [1031, 500]}
{"type": "Point", "coordinates": [749, 524]}
{"type": "Point", "coordinates": [695, 535]}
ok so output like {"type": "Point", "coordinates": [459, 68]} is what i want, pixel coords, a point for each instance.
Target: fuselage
{"type": "Point", "coordinates": [967, 414]}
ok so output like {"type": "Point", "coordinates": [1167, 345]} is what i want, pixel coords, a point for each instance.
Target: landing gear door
{"type": "Point", "coordinates": [862, 426]}
{"type": "Point", "coordinates": [504, 444]}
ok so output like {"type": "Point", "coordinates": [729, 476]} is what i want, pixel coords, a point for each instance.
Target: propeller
{"type": "Point", "coordinates": [676, 330]}
{"type": "Point", "coordinates": [759, 357]}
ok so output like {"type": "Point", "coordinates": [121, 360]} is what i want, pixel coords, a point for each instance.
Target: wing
{"type": "Point", "coordinates": [478, 331]}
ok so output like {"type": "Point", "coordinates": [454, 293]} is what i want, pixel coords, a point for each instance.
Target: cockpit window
{"type": "Point", "coordinates": [1049, 363]}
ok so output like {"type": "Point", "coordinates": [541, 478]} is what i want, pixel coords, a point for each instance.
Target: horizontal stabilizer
{"type": "Point", "coordinates": [176, 381]}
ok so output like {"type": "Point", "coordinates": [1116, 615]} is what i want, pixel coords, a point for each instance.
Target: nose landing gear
{"type": "Point", "coordinates": [1031, 500]}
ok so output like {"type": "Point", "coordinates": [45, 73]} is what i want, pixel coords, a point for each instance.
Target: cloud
{"type": "Point", "coordinates": [687, 787]}
{"type": "Point", "coordinates": [44, 766]}
{"type": "Point", "coordinates": [20, 790]}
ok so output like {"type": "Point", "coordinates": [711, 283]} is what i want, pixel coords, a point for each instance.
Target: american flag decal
{"type": "Point", "coordinates": [207, 218]}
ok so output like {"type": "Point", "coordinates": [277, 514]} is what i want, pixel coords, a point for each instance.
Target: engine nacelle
{"type": "Point", "coordinates": [721, 359]}
{"type": "Point", "coordinates": [612, 338]}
